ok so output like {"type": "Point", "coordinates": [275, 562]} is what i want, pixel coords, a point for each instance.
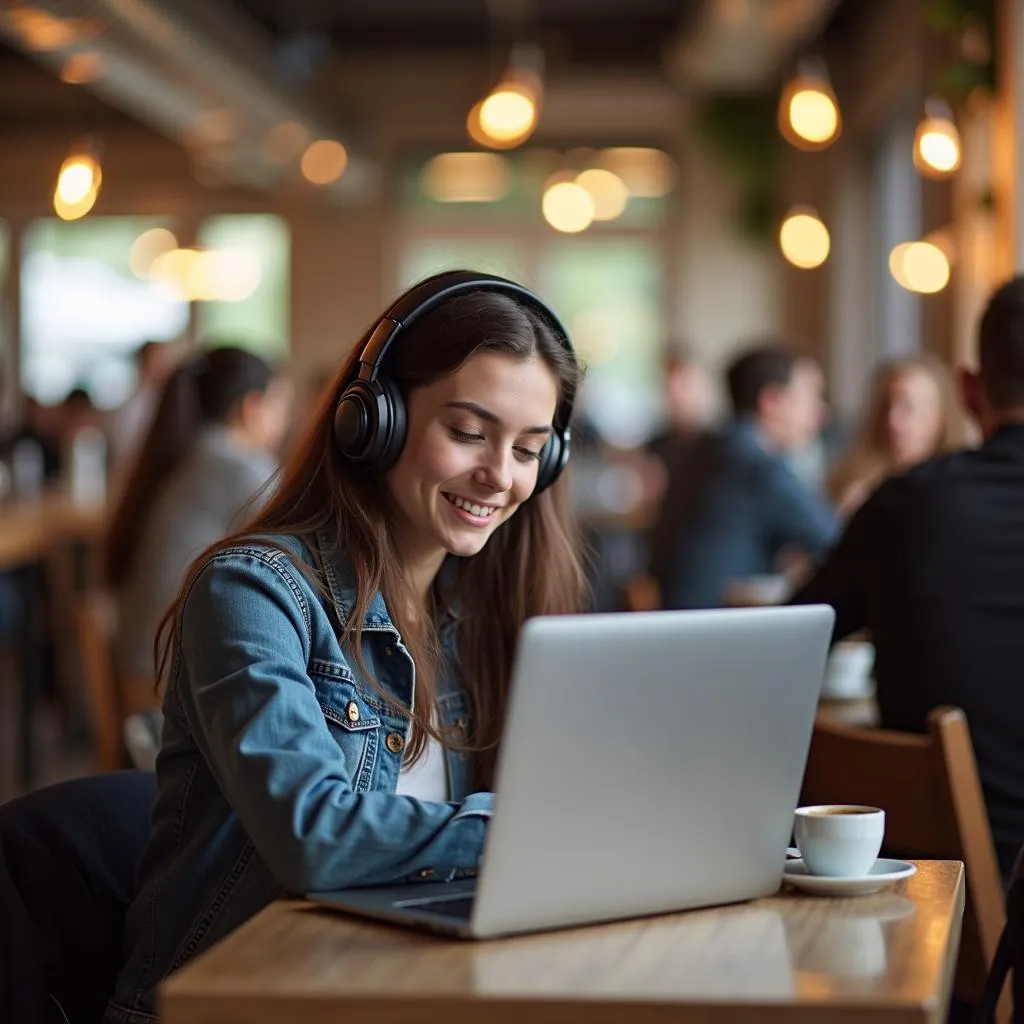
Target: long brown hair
{"type": "Point", "coordinates": [529, 566]}
{"type": "Point", "coordinates": [869, 460]}
{"type": "Point", "coordinates": [208, 388]}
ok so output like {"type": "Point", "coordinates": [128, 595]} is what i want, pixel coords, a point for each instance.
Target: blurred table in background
{"type": "Point", "coordinates": [31, 528]}
{"type": "Point", "coordinates": [47, 531]}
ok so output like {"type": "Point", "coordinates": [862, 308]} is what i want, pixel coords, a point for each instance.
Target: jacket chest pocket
{"type": "Point", "coordinates": [352, 719]}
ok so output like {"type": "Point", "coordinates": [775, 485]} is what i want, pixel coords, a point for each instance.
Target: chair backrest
{"type": "Point", "coordinates": [68, 858]}
{"type": "Point", "coordinates": [94, 623]}
{"type": "Point", "coordinates": [928, 787]}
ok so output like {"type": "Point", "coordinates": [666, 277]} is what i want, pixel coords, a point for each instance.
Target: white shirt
{"type": "Point", "coordinates": [427, 779]}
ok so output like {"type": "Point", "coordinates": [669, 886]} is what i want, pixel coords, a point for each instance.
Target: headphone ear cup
{"type": "Point", "coordinates": [392, 425]}
{"type": "Point", "coordinates": [354, 421]}
{"type": "Point", "coordinates": [554, 456]}
{"type": "Point", "coordinates": [370, 423]}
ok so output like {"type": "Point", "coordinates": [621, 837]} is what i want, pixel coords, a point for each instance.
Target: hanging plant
{"type": "Point", "coordinates": [970, 26]}
{"type": "Point", "coordinates": [740, 132]}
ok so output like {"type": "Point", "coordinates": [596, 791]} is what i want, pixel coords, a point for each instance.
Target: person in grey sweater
{"type": "Point", "coordinates": [202, 470]}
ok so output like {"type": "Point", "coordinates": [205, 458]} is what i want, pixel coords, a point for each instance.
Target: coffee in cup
{"type": "Point", "coordinates": [840, 809]}
{"type": "Point", "coordinates": [839, 840]}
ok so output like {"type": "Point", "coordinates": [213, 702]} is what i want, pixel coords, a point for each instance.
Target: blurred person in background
{"type": "Point", "coordinates": [690, 402]}
{"type": "Point", "coordinates": [211, 449]}
{"type": "Point", "coordinates": [912, 415]}
{"type": "Point", "coordinates": [814, 462]}
{"type": "Point", "coordinates": [691, 406]}
{"type": "Point", "coordinates": [933, 565]}
{"type": "Point", "coordinates": [84, 448]}
{"type": "Point", "coordinates": [735, 505]}
{"type": "Point", "coordinates": [76, 412]}
{"type": "Point", "coordinates": [38, 425]}
{"type": "Point", "coordinates": [129, 424]}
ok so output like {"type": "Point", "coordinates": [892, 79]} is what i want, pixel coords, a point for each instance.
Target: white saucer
{"type": "Point", "coordinates": [883, 872]}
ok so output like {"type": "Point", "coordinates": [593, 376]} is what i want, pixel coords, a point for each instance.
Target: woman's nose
{"type": "Point", "coordinates": [495, 471]}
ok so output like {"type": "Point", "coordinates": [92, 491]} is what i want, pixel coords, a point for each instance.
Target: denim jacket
{"type": "Point", "coordinates": [279, 761]}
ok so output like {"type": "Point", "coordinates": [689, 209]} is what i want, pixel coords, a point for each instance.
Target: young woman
{"type": "Point", "coordinates": [212, 446]}
{"type": "Point", "coordinates": [912, 415]}
{"type": "Point", "coordinates": [337, 675]}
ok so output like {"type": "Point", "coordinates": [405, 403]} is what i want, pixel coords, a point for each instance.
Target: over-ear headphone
{"type": "Point", "coordinates": [370, 419]}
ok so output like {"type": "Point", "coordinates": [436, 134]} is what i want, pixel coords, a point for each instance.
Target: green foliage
{"type": "Point", "coordinates": [970, 25]}
{"type": "Point", "coordinates": [950, 16]}
{"type": "Point", "coordinates": [740, 131]}
{"type": "Point", "coordinates": [956, 81]}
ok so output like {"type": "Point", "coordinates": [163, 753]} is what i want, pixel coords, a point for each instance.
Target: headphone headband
{"type": "Point", "coordinates": [370, 417]}
{"type": "Point", "coordinates": [430, 293]}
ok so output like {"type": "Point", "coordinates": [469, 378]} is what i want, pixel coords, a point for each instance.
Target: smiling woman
{"type": "Point", "coordinates": [465, 468]}
{"type": "Point", "coordinates": [339, 670]}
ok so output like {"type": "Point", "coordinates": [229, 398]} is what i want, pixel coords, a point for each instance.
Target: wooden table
{"type": "Point", "coordinates": [43, 531]}
{"type": "Point", "coordinates": [790, 958]}
{"type": "Point", "coordinates": [31, 528]}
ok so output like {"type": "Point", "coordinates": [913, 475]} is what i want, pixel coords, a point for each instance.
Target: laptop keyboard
{"type": "Point", "coordinates": [459, 907]}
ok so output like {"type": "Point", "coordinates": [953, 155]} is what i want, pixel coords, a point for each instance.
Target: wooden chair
{"type": "Point", "coordinates": [94, 623]}
{"type": "Point", "coordinates": [928, 787]}
{"type": "Point", "coordinates": [641, 593]}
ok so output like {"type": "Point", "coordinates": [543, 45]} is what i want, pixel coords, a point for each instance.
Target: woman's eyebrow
{"type": "Point", "coordinates": [490, 417]}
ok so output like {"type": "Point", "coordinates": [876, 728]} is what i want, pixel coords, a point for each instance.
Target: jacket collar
{"type": "Point", "coordinates": [341, 585]}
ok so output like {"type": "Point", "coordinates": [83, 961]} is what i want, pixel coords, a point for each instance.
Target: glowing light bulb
{"type": "Point", "coordinates": [78, 185]}
{"type": "Point", "coordinates": [147, 248]}
{"type": "Point", "coordinates": [324, 161]}
{"type": "Point", "coordinates": [808, 109]}
{"type": "Point", "coordinates": [936, 142]}
{"type": "Point", "coordinates": [607, 191]}
{"type": "Point", "coordinates": [919, 267]}
{"type": "Point", "coordinates": [804, 239]}
{"type": "Point", "coordinates": [567, 207]}
{"type": "Point", "coordinates": [508, 113]}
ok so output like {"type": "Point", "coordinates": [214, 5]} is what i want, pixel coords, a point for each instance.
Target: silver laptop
{"type": "Point", "coordinates": [651, 762]}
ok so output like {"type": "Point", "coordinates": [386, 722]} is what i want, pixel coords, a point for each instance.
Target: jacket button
{"type": "Point", "coordinates": [352, 711]}
{"type": "Point", "coordinates": [389, 651]}
{"type": "Point", "coordinates": [427, 873]}
{"type": "Point", "coordinates": [395, 742]}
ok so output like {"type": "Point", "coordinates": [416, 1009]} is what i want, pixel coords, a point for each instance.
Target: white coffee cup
{"type": "Point", "coordinates": [839, 840]}
{"type": "Point", "coordinates": [848, 670]}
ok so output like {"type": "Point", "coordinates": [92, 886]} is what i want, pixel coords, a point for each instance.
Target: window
{"type": "Point", "coordinates": [259, 320]}
{"type": "Point", "coordinates": [607, 291]}
{"type": "Point", "coordinates": [430, 255]}
{"type": "Point", "coordinates": [83, 311]}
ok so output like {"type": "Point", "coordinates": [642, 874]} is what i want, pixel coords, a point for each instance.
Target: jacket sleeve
{"type": "Point", "coordinates": [244, 648]}
{"type": "Point", "coordinates": [798, 516]}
